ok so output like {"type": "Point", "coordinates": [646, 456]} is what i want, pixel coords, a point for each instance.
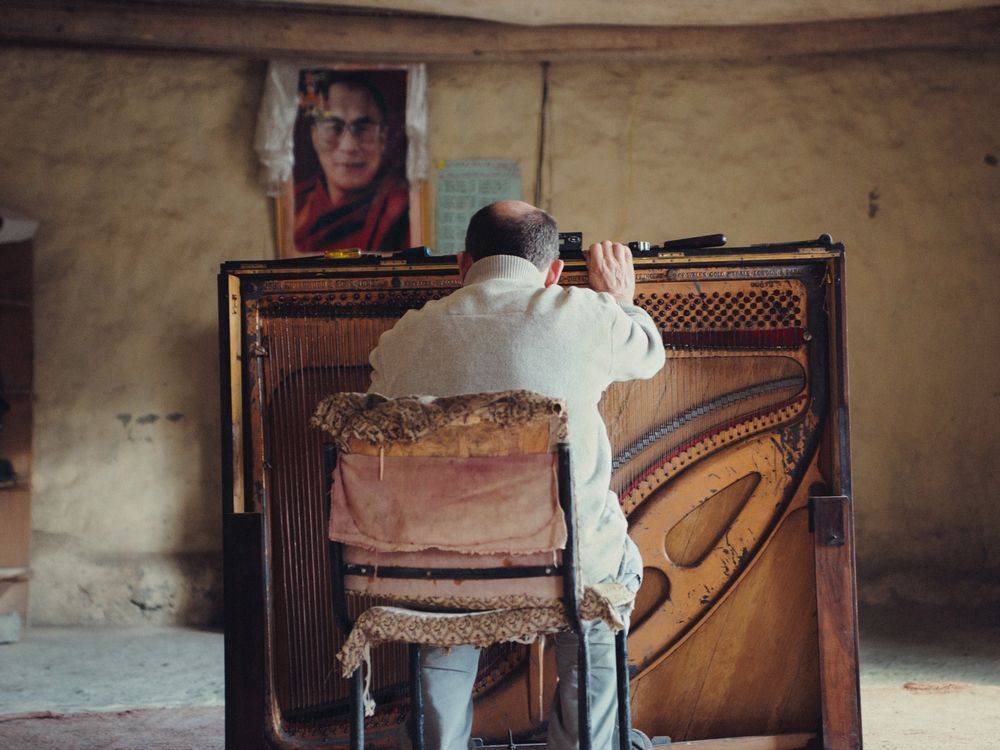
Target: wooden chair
{"type": "Point", "coordinates": [403, 477]}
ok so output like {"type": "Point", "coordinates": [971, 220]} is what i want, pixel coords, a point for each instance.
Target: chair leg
{"type": "Point", "coordinates": [624, 709]}
{"type": "Point", "coordinates": [416, 699]}
{"type": "Point", "coordinates": [583, 687]}
{"type": "Point", "coordinates": [358, 709]}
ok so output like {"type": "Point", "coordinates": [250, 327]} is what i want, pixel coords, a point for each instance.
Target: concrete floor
{"type": "Point", "coordinates": [67, 670]}
{"type": "Point", "coordinates": [929, 678]}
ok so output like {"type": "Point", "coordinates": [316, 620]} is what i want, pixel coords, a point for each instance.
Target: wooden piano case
{"type": "Point", "coordinates": [733, 465]}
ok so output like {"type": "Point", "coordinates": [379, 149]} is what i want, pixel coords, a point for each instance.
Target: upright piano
{"type": "Point", "coordinates": [732, 465]}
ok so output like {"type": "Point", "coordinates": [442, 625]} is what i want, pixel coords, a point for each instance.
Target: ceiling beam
{"type": "Point", "coordinates": [268, 32]}
{"type": "Point", "coordinates": [644, 12]}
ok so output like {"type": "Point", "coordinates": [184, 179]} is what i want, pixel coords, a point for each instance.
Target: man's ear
{"type": "Point", "coordinates": [554, 272]}
{"type": "Point", "coordinates": [465, 262]}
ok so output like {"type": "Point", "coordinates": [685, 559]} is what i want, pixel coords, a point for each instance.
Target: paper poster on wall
{"type": "Point", "coordinates": [465, 186]}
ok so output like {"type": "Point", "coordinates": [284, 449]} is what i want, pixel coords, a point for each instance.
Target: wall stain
{"type": "Point", "coordinates": [124, 419]}
{"type": "Point", "coordinates": [147, 419]}
{"type": "Point", "coordinates": [145, 606]}
{"type": "Point", "coordinates": [175, 417]}
{"type": "Point", "coordinates": [873, 196]}
{"type": "Point", "coordinates": [990, 159]}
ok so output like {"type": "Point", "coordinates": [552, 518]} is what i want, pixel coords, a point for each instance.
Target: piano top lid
{"type": "Point", "coordinates": [417, 259]}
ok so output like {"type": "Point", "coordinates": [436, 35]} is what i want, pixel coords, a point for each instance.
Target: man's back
{"type": "Point", "coordinates": [504, 329]}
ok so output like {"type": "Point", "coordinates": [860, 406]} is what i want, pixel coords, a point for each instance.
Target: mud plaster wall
{"type": "Point", "coordinates": [140, 168]}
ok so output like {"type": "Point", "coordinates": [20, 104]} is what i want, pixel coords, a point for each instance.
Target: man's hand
{"type": "Point", "coordinates": [610, 269]}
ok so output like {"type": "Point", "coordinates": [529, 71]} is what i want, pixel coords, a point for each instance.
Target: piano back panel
{"type": "Point", "coordinates": [713, 462]}
{"type": "Point", "coordinates": [714, 458]}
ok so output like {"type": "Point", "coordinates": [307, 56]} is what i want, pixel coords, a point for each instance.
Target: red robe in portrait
{"type": "Point", "coordinates": [377, 219]}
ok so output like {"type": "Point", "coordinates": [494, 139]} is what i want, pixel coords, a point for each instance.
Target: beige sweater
{"type": "Point", "coordinates": [503, 329]}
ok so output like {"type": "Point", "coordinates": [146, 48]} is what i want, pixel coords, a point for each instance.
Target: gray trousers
{"type": "Point", "coordinates": [447, 677]}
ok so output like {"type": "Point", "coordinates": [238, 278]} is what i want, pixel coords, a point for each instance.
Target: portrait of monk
{"type": "Point", "coordinates": [350, 185]}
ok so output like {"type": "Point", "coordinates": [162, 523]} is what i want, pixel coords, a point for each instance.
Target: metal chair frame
{"type": "Point", "coordinates": [567, 569]}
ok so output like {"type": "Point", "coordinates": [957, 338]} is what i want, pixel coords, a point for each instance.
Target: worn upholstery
{"type": "Point", "coordinates": [383, 422]}
{"type": "Point", "coordinates": [457, 482]}
{"type": "Point", "coordinates": [415, 503]}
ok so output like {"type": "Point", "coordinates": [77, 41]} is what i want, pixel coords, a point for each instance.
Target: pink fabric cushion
{"type": "Point", "coordinates": [473, 505]}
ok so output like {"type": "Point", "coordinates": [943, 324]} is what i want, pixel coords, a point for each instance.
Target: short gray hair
{"type": "Point", "coordinates": [532, 235]}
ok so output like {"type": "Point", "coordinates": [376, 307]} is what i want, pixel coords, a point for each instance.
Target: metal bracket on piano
{"type": "Point", "coordinates": [826, 519]}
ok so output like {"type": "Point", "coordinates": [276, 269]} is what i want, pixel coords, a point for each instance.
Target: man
{"type": "Point", "coordinates": [352, 202]}
{"type": "Point", "coordinates": [512, 326]}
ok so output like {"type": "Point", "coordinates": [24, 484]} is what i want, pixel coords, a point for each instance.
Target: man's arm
{"type": "Point", "coordinates": [637, 347]}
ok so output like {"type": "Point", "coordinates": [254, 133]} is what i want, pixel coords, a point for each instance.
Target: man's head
{"type": "Point", "coordinates": [513, 228]}
{"type": "Point", "coordinates": [349, 135]}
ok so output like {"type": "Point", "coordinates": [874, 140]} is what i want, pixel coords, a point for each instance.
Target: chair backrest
{"type": "Point", "coordinates": [458, 501]}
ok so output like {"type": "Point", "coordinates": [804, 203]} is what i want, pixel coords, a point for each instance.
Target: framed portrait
{"type": "Point", "coordinates": [351, 185]}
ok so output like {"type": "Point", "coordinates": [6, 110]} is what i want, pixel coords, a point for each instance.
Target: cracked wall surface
{"type": "Point", "coordinates": [141, 170]}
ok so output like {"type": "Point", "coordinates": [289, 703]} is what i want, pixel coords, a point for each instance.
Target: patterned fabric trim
{"type": "Point", "coordinates": [615, 594]}
{"type": "Point", "coordinates": [380, 421]}
{"type": "Point", "coordinates": [521, 624]}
